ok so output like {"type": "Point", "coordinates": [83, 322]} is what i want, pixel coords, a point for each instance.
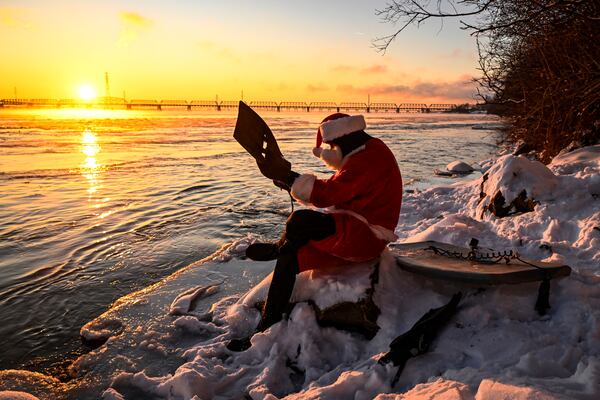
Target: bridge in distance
{"type": "Point", "coordinates": [119, 103]}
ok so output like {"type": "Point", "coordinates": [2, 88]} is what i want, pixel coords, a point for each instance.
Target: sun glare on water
{"type": "Point", "coordinates": [87, 92]}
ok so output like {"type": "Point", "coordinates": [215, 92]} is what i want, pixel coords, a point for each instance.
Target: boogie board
{"type": "Point", "coordinates": [451, 263]}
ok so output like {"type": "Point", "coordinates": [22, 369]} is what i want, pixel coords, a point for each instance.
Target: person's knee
{"type": "Point", "coordinates": [308, 219]}
{"type": "Point", "coordinates": [305, 225]}
{"type": "Point", "coordinates": [299, 219]}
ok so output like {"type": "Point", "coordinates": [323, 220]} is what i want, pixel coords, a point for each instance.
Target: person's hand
{"type": "Point", "coordinates": [288, 182]}
{"type": "Point", "coordinates": [282, 185]}
{"type": "Point", "coordinates": [274, 167]}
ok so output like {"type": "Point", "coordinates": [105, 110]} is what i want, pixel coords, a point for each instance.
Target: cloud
{"type": "Point", "coordinates": [342, 68]}
{"type": "Point", "coordinates": [132, 24]}
{"type": "Point", "coordinates": [131, 18]}
{"type": "Point", "coordinates": [14, 17]}
{"type": "Point", "coordinates": [461, 89]}
{"type": "Point", "coordinates": [372, 70]}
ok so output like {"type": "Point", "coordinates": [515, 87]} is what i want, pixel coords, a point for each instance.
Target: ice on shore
{"type": "Point", "coordinates": [168, 341]}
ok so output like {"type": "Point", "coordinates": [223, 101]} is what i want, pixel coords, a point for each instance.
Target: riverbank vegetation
{"type": "Point", "coordinates": [539, 62]}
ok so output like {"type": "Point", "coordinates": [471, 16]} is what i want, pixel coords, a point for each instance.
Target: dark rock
{"type": "Point", "coordinates": [497, 207]}
{"type": "Point", "coordinates": [546, 246]}
{"type": "Point", "coordinates": [359, 317]}
{"type": "Point", "coordinates": [521, 204]}
{"type": "Point", "coordinates": [482, 194]}
{"type": "Point", "coordinates": [523, 148]}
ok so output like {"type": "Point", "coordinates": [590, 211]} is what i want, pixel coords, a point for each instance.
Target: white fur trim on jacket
{"type": "Point", "coordinates": [336, 128]}
{"type": "Point", "coordinates": [302, 187]}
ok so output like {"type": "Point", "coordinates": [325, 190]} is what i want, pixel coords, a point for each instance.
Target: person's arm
{"type": "Point", "coordinates": [324, 193]}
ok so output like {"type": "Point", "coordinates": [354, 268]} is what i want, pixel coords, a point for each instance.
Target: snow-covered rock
{"type": "Point", "coordinates": [459, 167]}
{"type": "Point", "coordinates": [515, 183]}
{"type": "Point", "coordinates": [513, 174]}
{"type": "Point", "coordinates": [13, 395]}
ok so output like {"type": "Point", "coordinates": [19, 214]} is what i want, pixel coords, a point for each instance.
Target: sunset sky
{"type": "Point", "coordinates": [272, 50]}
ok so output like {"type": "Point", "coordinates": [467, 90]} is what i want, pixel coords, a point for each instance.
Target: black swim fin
{"type": "Point", "coordinates": [253, 133]}
{"type": "Point", "coordinates": [417, 340]}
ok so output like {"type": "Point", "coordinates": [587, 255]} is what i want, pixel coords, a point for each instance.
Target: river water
{"type": "Point", "coordinates": [95, 204]}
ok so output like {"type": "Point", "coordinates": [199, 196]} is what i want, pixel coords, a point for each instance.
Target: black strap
{"type": "Point", "coordinates": [418, 339]}
{"type": "Point", "coordinates": [542, 304]}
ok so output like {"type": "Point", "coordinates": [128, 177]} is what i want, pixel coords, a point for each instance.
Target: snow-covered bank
{"type": "Point", "coordinates": [168, 341]}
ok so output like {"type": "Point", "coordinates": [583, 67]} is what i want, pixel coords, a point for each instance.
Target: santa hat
{"type": "Point", "coordinates": [337, 125]}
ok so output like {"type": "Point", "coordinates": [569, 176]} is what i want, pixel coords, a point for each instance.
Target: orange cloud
{"type": "Point", "coordinates": [375, 69]}
{"type": "Point", "coordinates": [461, 89]}
{"type": "Point", "coordinates": [372, 70]}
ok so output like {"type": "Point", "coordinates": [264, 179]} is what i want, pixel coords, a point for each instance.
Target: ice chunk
{"type": "Point", "coordinates": [185, 302]}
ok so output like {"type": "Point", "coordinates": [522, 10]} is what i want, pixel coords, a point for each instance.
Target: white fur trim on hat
{"type": "Point", "coordinates": [331, 130]}
{"type": "Point", "coordinates": [302, 187]}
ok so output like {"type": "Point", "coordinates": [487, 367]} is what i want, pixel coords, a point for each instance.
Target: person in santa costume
{"type": "Point", "coordinates": [359, 207]}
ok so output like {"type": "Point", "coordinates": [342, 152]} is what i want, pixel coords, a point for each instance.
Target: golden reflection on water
{"type": "Point", "coordinates": [90, 169]}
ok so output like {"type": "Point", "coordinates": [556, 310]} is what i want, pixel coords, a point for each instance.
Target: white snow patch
{"type": "Point", "coordinates": [324, 287]}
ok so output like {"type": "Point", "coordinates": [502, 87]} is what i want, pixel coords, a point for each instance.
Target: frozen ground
{"type": "Point", "coordinates": [168, 341]}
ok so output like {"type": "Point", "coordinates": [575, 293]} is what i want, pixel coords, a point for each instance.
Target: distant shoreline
{"type": "Point", "coordinates": [159, 105]}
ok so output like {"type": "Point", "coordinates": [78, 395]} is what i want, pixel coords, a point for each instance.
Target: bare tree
{"type": "Point", "coordinates": [539, 62]}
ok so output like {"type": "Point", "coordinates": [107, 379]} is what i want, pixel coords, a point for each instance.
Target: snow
{"type": "Point", "coordinates": [459, 167]}
{"type": "Point", "coordinates": [13, 395]}
{"type": "Point", "coordinates": [346, 283]}
{"type": "Point", "coordinates": [168, 341]}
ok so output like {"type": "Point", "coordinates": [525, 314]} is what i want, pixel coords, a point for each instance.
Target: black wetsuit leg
{"type": "Point", "coordinates": [301, 227]}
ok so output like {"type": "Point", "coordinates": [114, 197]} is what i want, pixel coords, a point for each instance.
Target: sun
{"type": "Point", "coordinates": [87, 92]}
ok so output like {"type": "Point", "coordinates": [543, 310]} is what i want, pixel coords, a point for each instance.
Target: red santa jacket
{"type": "Point", "coordinates": [364, 196]}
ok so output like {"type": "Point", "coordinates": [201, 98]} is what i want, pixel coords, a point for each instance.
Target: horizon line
{"type": "Point", "coordinates": [109, 100]}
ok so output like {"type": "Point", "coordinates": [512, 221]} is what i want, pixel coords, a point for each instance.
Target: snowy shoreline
{"type": "Point", "coordinates": [167, 341]}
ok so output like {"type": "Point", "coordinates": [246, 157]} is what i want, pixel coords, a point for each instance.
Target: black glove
{"type": "Point", "coordinates": [287, 182]}
{"type": "Point", "coordinates": [274, 167]}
